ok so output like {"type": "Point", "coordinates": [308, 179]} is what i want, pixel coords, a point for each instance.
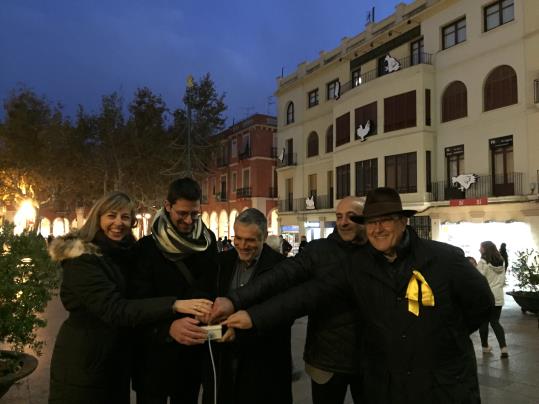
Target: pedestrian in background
{"type": "Point", "coordinates": [491, 266]}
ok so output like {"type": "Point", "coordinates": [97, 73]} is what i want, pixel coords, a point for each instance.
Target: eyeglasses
{"type": "Point", "coordinates": [184, 215]}
{"type": "Point", "coordinates": [384, 221]}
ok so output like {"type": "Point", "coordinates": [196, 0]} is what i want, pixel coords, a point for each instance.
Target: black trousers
{"type": "Point", "coordinates": [186, 397]}
{"type": "Point", "coordinates": [334, 391]}
{"type": "Point", "coordinates": [494, 321]}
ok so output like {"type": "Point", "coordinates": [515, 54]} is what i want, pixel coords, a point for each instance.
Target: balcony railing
{"type": "Point", "coordinates": [536, 91]}
{"type": "Point", "coordinates": [222, 161]}
{"type": "Point", "coordinates": [288, 159]}
{"type": "Point", "coordinates": [244, 192]}
{"type": "Point", "coordinates": [221, 197]}
{"type": "Point", "coordinates": [272, 192]}
{"type": "Point", "coordinates": [245, 154]}
{"type": "Point", "coordinates": [405, 63]}
{"type": "Point", "coordinates": [300, 204]}
{"type": "Point", "coordinates": [485, 186]}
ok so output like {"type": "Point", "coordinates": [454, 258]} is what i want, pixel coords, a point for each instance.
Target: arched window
{"type": "Point", "coordinates": [312, 144]}
{"type": "Point", "coordinates": [500, 88]}
{"type": "Point", "coordinates": [290, 113]}
{"type": "Point", "coordinates": [329, 139]}
{"type": "Point", "coordinates": [454, 101]}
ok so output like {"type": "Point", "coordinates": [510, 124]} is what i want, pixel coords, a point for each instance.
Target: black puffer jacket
{"type": "Point", "coordinates": [331, 331]}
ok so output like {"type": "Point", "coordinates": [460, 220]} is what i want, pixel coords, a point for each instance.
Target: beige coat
{"type": "Point", "coordinates": [495, 277]}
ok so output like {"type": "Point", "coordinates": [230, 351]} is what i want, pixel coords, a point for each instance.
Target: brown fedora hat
{"type": "Point", "coordinates": [382, 201]}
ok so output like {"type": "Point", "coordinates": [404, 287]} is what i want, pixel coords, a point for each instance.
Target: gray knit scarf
{"type": "Point", "coordinates": [176, 246]}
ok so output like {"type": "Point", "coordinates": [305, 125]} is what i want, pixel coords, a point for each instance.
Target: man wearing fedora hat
{"type": "Point", "coordinates": [419, 300]}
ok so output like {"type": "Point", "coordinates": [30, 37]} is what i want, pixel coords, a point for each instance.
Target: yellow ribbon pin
{"type": "Point", "coordinates": [412, 293]}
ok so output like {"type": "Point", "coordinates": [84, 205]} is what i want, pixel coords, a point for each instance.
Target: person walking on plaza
{"type": "Point", "coordinates": [252, 368]}
{"type": "Point", "coordinates": [491, 266]}
{"type": "Point", "coordinates": [179, 258]}
{"type": "Point", "coordinates": [91, 357]}
{"type": "Point", "coordinates": [418, 302]}
{"type": "Point", "coordinates": [330, 346]}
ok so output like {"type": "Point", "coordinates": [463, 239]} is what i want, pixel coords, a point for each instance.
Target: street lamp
{"type": "Point", "coordinates": [190, 84]}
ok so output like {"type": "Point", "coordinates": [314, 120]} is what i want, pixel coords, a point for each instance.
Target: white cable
{"type": "Point", "coordinates": [214, 371]}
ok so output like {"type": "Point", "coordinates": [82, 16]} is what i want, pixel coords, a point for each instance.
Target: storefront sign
{"type": "Point", "coordinates": [469, 202]}
{"type": "Point", "coordinates": [501, 142]}
{"type": "Point", "coordinates": [454, 150]}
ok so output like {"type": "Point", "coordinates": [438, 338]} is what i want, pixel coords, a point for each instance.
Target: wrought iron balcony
{"type": "Point", "coordinates": [405, 63]}
{"type": "Point", "coordinates": [244, 192]}
{"type": "Point", "coordinates": [222, 161]}
{"type": "Point", "coordinates": [245, 154]}
{"type": "Point", "coordinates": [288, 159]}
{"type": "Point", "coordinates": [300, 204]}
{"type": "Point", "coordinates": [486, 186]}
{"type": "Point", "coordinates": [272, 192]}
{"type": "Point", "coordinates": [221, 197]}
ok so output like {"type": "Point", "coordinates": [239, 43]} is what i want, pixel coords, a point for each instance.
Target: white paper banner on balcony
{"type": "Point", "coordinates": [391, 64]}
{"type": "Point", "coordinates": [463, 181]}
{"type": "Point", "coordinates": [337, 91]}
{"type": "Point", "coordinates": [281, 156]}
{"type": "Point", "coordinates": [363, 131]}
{"type": "Point", "coordinates": [309, 203]}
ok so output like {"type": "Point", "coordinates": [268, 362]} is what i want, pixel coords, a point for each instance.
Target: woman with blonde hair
{"type": "Point", "coordinates": [91, 357]}
{"type": "Point", "coordinates": [491, 265]}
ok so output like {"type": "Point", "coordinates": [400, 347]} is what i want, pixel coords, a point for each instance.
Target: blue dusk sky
{"type": "Point", "coordinates": [75, 51]}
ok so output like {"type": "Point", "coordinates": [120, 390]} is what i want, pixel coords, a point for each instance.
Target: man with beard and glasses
{"type": "Point", "coordinates": [178, 259]}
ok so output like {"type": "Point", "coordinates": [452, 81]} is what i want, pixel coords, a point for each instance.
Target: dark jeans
{"type": "Point", "coordinates": [494, 321]}
{"type": "Point", "coordinates": [334, 391]}
{"type": "Point", "coordinates": [187, 397]}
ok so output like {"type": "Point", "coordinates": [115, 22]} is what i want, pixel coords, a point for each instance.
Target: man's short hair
{"type": "Point", "coordinates": [183, 188]}
{"type": "Point", "coordinates": [254, 216]}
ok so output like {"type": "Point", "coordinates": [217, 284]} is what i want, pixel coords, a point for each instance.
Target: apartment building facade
{"type": "Point", "coordinates": [441, 101]}
{"type": "Point", "coordinates": [243, 175]}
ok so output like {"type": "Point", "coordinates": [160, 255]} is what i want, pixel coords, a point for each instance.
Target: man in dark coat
{"type": "Point", "coordinates": [252, 368]}
{"type": "Point", "coordinates": [330, 346]}
{"type": "Point", "coordinates": [418, 300]}
{"type": "Point", "coordinates": [178, 259]}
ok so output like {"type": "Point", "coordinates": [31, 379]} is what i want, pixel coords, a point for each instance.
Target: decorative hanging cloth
{"type": "Point", "coordinates": [412, 293]}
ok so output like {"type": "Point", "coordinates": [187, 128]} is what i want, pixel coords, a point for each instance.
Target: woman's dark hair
{"type": "Point", "coordinates": [183, 188]}
{"type": "Point", "coordinates": [491, 254]}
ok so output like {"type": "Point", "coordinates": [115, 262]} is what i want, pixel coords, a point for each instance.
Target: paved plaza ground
{"type": "Point", "coordinates": [514, 380]}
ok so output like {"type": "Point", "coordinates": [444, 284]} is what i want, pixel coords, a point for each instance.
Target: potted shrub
{"type": "Point", "coordinates": [526, 270]}
{"type": "Point", "coordinates": [28, 279]}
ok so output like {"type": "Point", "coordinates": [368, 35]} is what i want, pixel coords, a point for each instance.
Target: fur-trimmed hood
{"type": "Point", "coordinates": [70, 246]}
